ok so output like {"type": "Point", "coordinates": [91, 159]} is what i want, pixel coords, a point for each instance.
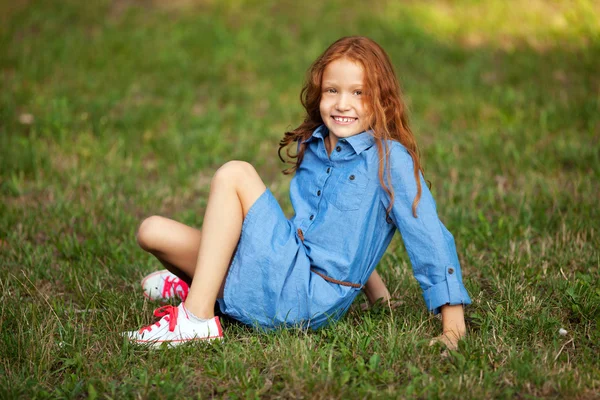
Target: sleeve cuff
{"type": "Point", "coordinates": [451, 291]}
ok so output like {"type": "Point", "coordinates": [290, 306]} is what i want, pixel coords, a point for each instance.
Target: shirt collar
{"type": "Point", "coordinates": [321, 132]}
{"type": "Point", "coordinates": [362, 141]}
{"type": "Point", "coordinates": [359, 142]}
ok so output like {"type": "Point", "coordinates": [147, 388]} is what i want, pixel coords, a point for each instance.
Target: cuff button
{"type": "Point", "coordinates": [450, 271]}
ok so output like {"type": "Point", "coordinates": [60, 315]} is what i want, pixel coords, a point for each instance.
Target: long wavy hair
{"type": "Point", "coordinates": [386, 112]}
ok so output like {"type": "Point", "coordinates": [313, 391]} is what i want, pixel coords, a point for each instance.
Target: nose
{"type": "Point", "coordinates": [343, 103]}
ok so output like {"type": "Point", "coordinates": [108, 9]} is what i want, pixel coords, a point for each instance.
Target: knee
{"type": "Point", "coordinates": [233, 172]}
{"type": "Point", "coordinates": [148, 232]}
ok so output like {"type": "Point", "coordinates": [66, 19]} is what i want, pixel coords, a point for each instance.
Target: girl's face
{"type": "Point", "coordinates": [341, 106]}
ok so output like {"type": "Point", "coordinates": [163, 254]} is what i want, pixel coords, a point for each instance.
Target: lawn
{"type": "Point", "coordinates": [113, 111]}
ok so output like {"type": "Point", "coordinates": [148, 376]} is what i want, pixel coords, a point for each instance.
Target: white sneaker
{"type": "Point", "coordinates": [164, 285]}
{"type": "Point", "coordinates": [175, 328]}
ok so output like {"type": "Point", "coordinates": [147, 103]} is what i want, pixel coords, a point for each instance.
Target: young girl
{"type": "Point", "coordinates": [357, 179]}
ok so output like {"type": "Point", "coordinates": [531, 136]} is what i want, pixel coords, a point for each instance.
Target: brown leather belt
{"type": "Point", "coordinates": [328, 279]}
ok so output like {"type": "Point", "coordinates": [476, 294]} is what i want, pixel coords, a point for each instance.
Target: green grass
{"type": "Point", "coordinates": [133, 105]}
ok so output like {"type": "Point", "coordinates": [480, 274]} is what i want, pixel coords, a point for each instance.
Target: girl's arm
{"type": "Point", "coordinates": [375, 289]}
{"type": "Point", "coordinates": [453, 326]}
{"type": "Point", "coordinates": [430, 246]}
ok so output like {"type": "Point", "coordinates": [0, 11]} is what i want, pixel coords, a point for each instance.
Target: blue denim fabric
{"type": "Point", "coordinates": [349, 233]}
{"type": "Point", "coordinates": [340, 208]}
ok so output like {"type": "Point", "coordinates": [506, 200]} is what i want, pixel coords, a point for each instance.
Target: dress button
{"type": "Point", "coordinates": [329, 170]}
{"type": "Point", "coordinates": [318, 192]}
{"type": "Point", "coordinates": [338, 149]}
{"type": "Point", "coordinates": [351, 177]}
{"type": "Point", "coordinates": [312, 217]}
{"type": "Point", "coordinates": [450, 271]}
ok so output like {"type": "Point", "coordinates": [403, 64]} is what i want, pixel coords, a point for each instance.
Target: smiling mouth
{"type": "Point", "coordinates": [344, 120]}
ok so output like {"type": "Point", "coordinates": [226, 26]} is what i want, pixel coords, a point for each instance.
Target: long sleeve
{"type": "Point", "coordinates": [429, 244]}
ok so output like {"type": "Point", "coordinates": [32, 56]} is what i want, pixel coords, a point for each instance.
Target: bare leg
{"type": "Point", "coordinates": [234, 189]}
{"type": "Point", "coordinates": [174, 244]}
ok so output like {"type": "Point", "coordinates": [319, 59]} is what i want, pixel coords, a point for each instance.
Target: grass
{"type": "Point", "coordinates": [113, 111]}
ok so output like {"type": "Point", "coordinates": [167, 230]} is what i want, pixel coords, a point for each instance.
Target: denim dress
{"type": "Point", "coordinates": [284, 271]}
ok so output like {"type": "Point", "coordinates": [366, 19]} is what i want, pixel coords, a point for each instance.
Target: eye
{"type": "Point", "coordinates": [331, 90]}
{"type": "Point", "coordinates": [358, 92]}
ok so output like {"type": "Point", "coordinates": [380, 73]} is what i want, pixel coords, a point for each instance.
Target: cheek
{"type": "Point", "coordinates": [362, 109]}
{"type": "Point", "coordinates": [364, 114]}
{"type": "Point", "coordinates": [323, 107]}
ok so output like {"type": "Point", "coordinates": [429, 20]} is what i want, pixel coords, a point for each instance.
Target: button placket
{"type": "Point", "coordinates": [318, 192]}
{"type": "Point", "coordinates": [320, 187]}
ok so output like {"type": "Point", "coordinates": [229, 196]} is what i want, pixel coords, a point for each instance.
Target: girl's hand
{"type": "Point", "coordinates": [381, 302]}
{"type": "Point", "coordinates": [376, 290]}
{"type": "Point", "coordinates": [454, 328]}
{"type": "Point", "coordinates": [449, 339]}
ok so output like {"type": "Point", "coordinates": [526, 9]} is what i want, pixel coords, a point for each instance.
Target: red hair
{"type": "Point", "coordinates": [386, 111]}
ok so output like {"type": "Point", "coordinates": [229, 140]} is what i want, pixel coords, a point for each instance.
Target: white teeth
{"type": "Point", "coordinates": [340, 119]}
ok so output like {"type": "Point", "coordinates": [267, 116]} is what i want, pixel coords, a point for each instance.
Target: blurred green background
{"type": "Point", "coordinates": [112, 111]}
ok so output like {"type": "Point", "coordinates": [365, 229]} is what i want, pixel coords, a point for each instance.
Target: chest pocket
{"type": "Point", "coordinates": [349, 190]}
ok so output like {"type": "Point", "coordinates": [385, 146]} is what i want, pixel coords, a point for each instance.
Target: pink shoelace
{"type": "Point", "coordinates": [174, 285]}
{"type": "Point", "coordinates": [169, 312]}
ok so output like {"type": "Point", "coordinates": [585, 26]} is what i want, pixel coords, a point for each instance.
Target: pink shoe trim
{"type": "Point", "coordinates": [218, 321]}
{"type": "Point", "coordinates": [169, 283]}
{"type": "Point", "coordinates": [178, 340]}
{"type": "Point", "coordinates": [174, 284]}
